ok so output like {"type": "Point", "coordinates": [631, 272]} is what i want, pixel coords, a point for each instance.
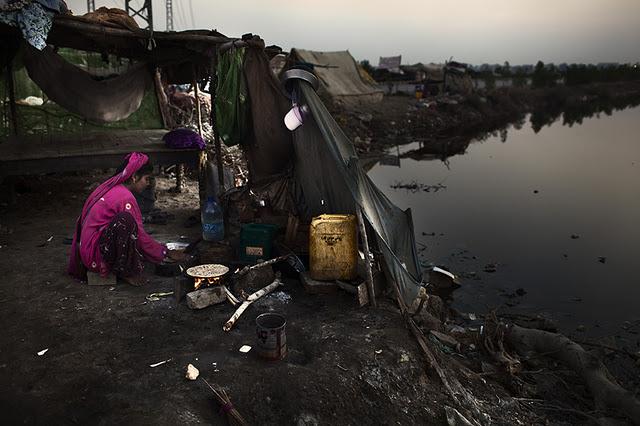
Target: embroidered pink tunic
{"type": "Point", "coordinates": [117, 199]}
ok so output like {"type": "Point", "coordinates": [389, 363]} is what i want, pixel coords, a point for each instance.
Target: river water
{"type": "Point", "coordinates": [554, 213]}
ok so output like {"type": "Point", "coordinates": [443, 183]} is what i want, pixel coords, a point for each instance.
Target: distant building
{"type": "Point", "coordinates": [390, 63]}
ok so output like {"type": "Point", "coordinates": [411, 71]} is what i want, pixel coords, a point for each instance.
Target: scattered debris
{"type": "Point", "coordinates": [491, 268]}
{"type": "Point", "coordinates": [415, 187]}
{"type": "Point", "coordinates": [442, 279]}
{"type": "Point", "coordinates": [469, 316]}
{"type": "Point", "coordinates": [454, 418]}
{"type": "Point", "coordinates": [192, 372]}
{"type": "Point", "coordinates": [446, 339]}
{"type": "Point", "coordinates": [378, 351]}
{"type": "Point", "coordinates": [602, 259]}
{"type": "Point", "coordinates": [157, 296]}
{"type": "Point", "coordinates": [42, 352]}
{"type": "Point", "coordinates": [160, 363]}
{"type": "Point", "coordinates": [234, 417]}
{"type": "Point", "coordinates": [46, 242]}
{"type": "Point", "coordinates": [252, 298]}
{"type": "Point", "coordinates": [245, 348]}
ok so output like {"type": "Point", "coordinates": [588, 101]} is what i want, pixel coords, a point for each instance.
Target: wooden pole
{"type": "Point", "coordinates": [202, 157]}
{"type": "Point", "coordinates": [197, 93]}
{"type": "Point", "coordinates": [163, 101]}
{"type": "Point", "coordinates": [367, 256]}
{"type": "Point", "coordinates": [12, 97]}
{"type": "Point", "coordinates": [89, 27]}
{"type": "Point", "coordinates": [213, 87]}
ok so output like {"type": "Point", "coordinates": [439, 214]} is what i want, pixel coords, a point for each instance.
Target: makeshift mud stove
{"type": "Point", "coordinates": [211, 286]}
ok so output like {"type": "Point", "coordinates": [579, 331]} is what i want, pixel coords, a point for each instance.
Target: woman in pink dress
{"type": "Point", "coordinates": [109, 235]}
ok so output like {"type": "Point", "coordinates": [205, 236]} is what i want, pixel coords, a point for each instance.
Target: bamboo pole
{"type": "Point", "coordinates": [202, 157]}
{"type": "Point", "coordinates": [367, 256]}
{"type": "Point", "coordinates": [87, 27]}
{"type": "Point", "coordinates": [197, 93]}
{"type": "Point", "coordinates": [12, 97]}
{"type": "Point", "coordinates": [163, 101]}
{"type": "Point", "coordinates": [213, 88]}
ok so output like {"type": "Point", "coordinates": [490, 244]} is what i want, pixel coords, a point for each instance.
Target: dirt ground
{"type": "Point", "coordinates": [345, 365]}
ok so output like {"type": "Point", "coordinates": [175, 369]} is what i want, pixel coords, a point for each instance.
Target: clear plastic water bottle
{"type": "Point", "coordinates": [212, 221]}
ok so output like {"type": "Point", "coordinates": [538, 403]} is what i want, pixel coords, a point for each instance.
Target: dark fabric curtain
{"type": "Point", "coordinates": [79, 92]}
{"type": "Point", "coordinates": [269, 146]}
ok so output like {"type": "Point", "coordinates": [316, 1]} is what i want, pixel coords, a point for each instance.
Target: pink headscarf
{"type": "Point", "coordinates": [135, 160]}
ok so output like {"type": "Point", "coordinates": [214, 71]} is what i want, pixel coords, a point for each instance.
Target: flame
{"type": "Point", "coordinates": [205, 282]}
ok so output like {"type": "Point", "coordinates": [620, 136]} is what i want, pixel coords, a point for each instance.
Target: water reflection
{"type": "Point", "coordinates": [510, 204]}
{"type": "Point", "coordinates": [574, 112]}
{"type": "Point", "coordinates": [570, 112]}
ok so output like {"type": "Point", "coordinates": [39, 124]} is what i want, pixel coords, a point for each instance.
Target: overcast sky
{"type": "Point", "coordinates": [474, 31]}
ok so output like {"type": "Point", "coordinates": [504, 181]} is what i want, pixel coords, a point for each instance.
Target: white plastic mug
{"type": "Point", "coordinates": [295, 117]}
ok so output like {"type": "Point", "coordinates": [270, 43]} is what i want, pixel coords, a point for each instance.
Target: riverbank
{"type": "Point", "coordinates": [445, 123]}
{"type": "Point", "coordinates": [76, 354]}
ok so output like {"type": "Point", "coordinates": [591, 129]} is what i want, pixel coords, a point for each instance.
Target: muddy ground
{"type": "Point", "coordinates": [346, 365]}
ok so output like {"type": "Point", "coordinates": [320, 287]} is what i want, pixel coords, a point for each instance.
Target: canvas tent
{"type": "Point", "coordinates": [339, 77]}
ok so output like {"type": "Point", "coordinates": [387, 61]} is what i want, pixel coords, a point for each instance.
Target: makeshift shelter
{"type": "Point", "coordinates": [339, 77]}
{"type": "Point", "coordinates": [311, 171]}
{"type": "Point", "coordinates": [86, 117]}
{"type": "Point", "coordinates": [315, 170]}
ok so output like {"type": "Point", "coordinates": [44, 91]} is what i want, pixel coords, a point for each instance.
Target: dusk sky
{"type": "Point", "coordinates": [473, 31]}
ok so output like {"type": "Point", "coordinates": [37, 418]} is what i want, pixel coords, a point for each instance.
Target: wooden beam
{"type": "Point", "coordinates": [367, 256]}
{"type": "Point", "coordinates": [202, 157]}
{"type": "Point", "coordinates": [196, 90]}
{"type": "Point", "coordinates": [12, 97]}
{"type": "Point", "coordinates": [87, 27]}
{"type": "Point", "coordinates": [213, 90]}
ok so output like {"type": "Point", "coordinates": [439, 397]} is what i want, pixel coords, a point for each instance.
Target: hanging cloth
{"type": "Point", "coordinates": [231, 98]}
{"type": "Point", "coordinates": [77, 91]}
{"type": "Point", "coordinates": [33, 19]}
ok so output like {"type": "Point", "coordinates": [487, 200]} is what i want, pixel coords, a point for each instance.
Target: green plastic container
{"type": "Point", "coordinates": [256, 241]}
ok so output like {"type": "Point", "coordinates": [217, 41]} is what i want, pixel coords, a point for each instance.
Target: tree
{"type": "Point", "coordinates": [537, 79]}
{"type": "Point", "coordinates": [506, 69]}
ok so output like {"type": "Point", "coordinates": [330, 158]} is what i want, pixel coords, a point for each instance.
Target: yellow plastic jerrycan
{"type": "Point", "coordinates": [333, 247]}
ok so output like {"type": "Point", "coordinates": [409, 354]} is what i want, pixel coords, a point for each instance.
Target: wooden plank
{"type": "Point", "coordinates": [92, 161]}
{"type": "Point", "coordinates": [116, 142]}
{"type": "Point", "coordinates": [367, 256]}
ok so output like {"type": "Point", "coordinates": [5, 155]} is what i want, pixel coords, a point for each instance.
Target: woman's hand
{"type": "Point", "coordinates": [176, 255]}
